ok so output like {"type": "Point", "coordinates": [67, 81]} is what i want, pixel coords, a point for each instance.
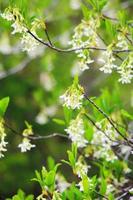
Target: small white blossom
{"type": "Point", "coordinates": [3, 143]}
{"type": "Point", "coordinates": [85, 36]}
{"type": "Point", "coordinates": [126, 69]}
{"type": "Point", "coordinates": [108, 60]}
{"type": "Point", "coordinates": [18, 27]}
{"type": "Point", "coordinates": [76, 132]}
{"type": "Point", "coordinates": [26, 145]}
{"type": "Point", "coordinates": [81, 184]}
{"type": "Point", "coordinates": [73, 97]}
{"type": "Point", "coordinates": [81, 168]}
{"type": "Point", "coordinates": [29, 43]}
{"type": "Point", "coordinates": [45, 113]}
{"type": "Point", "coordinates": [122, 42]}
{"type": "Point", "coordinates": [102, 143]}
{"type": "Point", "coordinates": [61, 183]}
{"type": "Point", "coordinates": [8, 16]}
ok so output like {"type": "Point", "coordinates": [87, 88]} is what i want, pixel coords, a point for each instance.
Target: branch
{"type": "Point", "coordinates": [73, 49]}
{"type": "Point", "coordinates": [14, 70]}
{"type": "Point", "coordinates": [38, 137]}
{"type": "Point", "coordinates": [109, 119]}
{"type": "Point", "coordinates": [97, 127]}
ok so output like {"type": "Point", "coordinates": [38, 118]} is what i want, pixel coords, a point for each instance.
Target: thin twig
{"type": "Point", "coordinates": [108, 118]}
{"type": "Point", "coordinates": [50, 42]}
{"type": "Point", "coordinates": [14, 70]}
{"type": "Point", "coordinates": [101, 195]}
{"type": "Point", "coordinates": [97, 127]}
{"type": "Point", "coordinates": [74, 49]}
{"type": "Point", "coordinates": [38, 137]}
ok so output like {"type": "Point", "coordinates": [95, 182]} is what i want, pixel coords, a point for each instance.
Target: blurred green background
{"type": "Point", "coordinates": [35, 88]}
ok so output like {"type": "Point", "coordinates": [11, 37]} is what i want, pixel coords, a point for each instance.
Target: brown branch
{"type": "Point", "coordinates": [73, 49]}
{"type": "Point", "coordinates": [108, 118]}
{"type": "Point", "coordinates": [97, 127]}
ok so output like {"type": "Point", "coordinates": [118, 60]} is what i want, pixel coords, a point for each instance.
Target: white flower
{"type": "Point", "coordinates": [108, 60]}
{"type": "Point", "coordinates": [126, 69]}
{"type": "Point", "coordinates": [73, 97]}
{"type": "Point", "coordinates": [126, 76]}
{"type": "Point", "coordinates": [47, 81]}
{"type": "Point", "coordinates": [18, 27]}
{"type": "Point", "coordinates": [2, 147]}
{"type": "Point", "coordinates": [102, 143]}
{"type": "Point", "coordinates": [61, 183]}
{"type": "Point", "coordinates": [45, 113]}
{"type": "Point", "coordinates": [76, 132]}
{"type": "Point", "coordinates": [81, 184]}
{"type": "Point", "coordinates": [29, 43]}
{"type": "Point", "coordinates": [8, 15]}
{"type": "Point", "coordinates": [3, 143]}
{"type": "Point", "coordinates": [85, 36]}
{"type": "Point", "coordinates": [26, 145]}
{"type": "Point", "coordinates": [122, 42]}
{"type": "Point", "coordinates": [81, 168]}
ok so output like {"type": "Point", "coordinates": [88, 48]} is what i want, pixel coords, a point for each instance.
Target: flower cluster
{"type": "Point", "coordinates": [85, 36]}
{"type": "Point", "coordinates": [13, 14]}
{"type": "Point", "coordinates": [122, 42]}
{"type": "Point", "coordinates": [81, 168]}
{"type": "Point", "coordinates": [28, 42]}
{"type": "Point", "coordinates": [73, 97]}
{"type": "Point", "coordinates": [102, 141]}
{"type": "Point", "coordinates": [26, 145]}
{"type": "Point", "coordinates": [76, 132]}
{"type": "Point", "coordinates": [108, 60]}
{"type": "Point", "coordinates": [3, 143]}
{"type": "Point", "coordinates": [126, 69]}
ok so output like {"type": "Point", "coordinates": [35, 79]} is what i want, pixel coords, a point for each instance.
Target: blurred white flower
{"type": "Point", "coordinates": [18, 27]}
{"type": "Point", "coordinates": [3, 143]}
{"type": "Point", "coordinates": [61, 183]}
{"type": "Point", "coordinates": [126, 69]}
{"type": "Point", "coordinates": [73, 97]}
{"type": "Point", "coordinates": [122, 42]}
{"type": "Point", "coordinates": [8, 15]}
{"type": "Point", "coordinates": [47, 81]}
{"type": "Point", "coordinates": [28, 42]}
{"type": "Point", "coordinates": [85, 36]}
{"type": "Point", "coordinates": [75, 4]}
{"type": "Point", "coordinates": [45, 113]}
{"type": "Point", "coordinates": [76, 132]}
{"type": "Point", "coordinates": [81, 168]}
{"type": "Point", "coordinates": [26, 145]}
{"type": "Point", "coordinates": [108, 60]}
{"type": "Point", "coordinates": [102, 143]}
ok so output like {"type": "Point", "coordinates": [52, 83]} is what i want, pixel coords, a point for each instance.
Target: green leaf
{"type": "Point", "coordinates": [103, 186]}
{"type": "Point", "coordinates": [50, 178]}
{"type": "Point", "coordinates": [3, 105]}
{"type": "Point", "coordinates": [126, 114]}
{"type": "Point", "coordinates": [59, 121]}
{"type": "Point", "coordinates": [71, 158]}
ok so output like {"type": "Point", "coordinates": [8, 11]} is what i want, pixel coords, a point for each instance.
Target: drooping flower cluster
{"type": "Point", "coordinates": [13, 14]}
{"type": "Point", "coordinates": [102, 142]}
{"type": "Point", "coordinates": [76, 132]}
{"type": "Point", "coordinates": [26, 145]}
{"type": "Point", "coordinates": [81, 168]}
{"type": "Point", "coordinates": [108, 60]}
{"type": "Point", "coordinates": [61, 183]}
{"type": "Point", "coordinates": [85, 36]}
{"type": "Point", "coordinates": [3, 143]}
{"type": "Point", "coordinates": [126, 69]}
{"type": "Point", "coordinates": [122, 42]}
{"type": "Point", "coordinates": [28, 42]}
{"type": "Point", "coordinates": [73, 97]}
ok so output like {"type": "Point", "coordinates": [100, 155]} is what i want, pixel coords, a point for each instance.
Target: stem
{"type": "Point", "coordinates": [73, 49]}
